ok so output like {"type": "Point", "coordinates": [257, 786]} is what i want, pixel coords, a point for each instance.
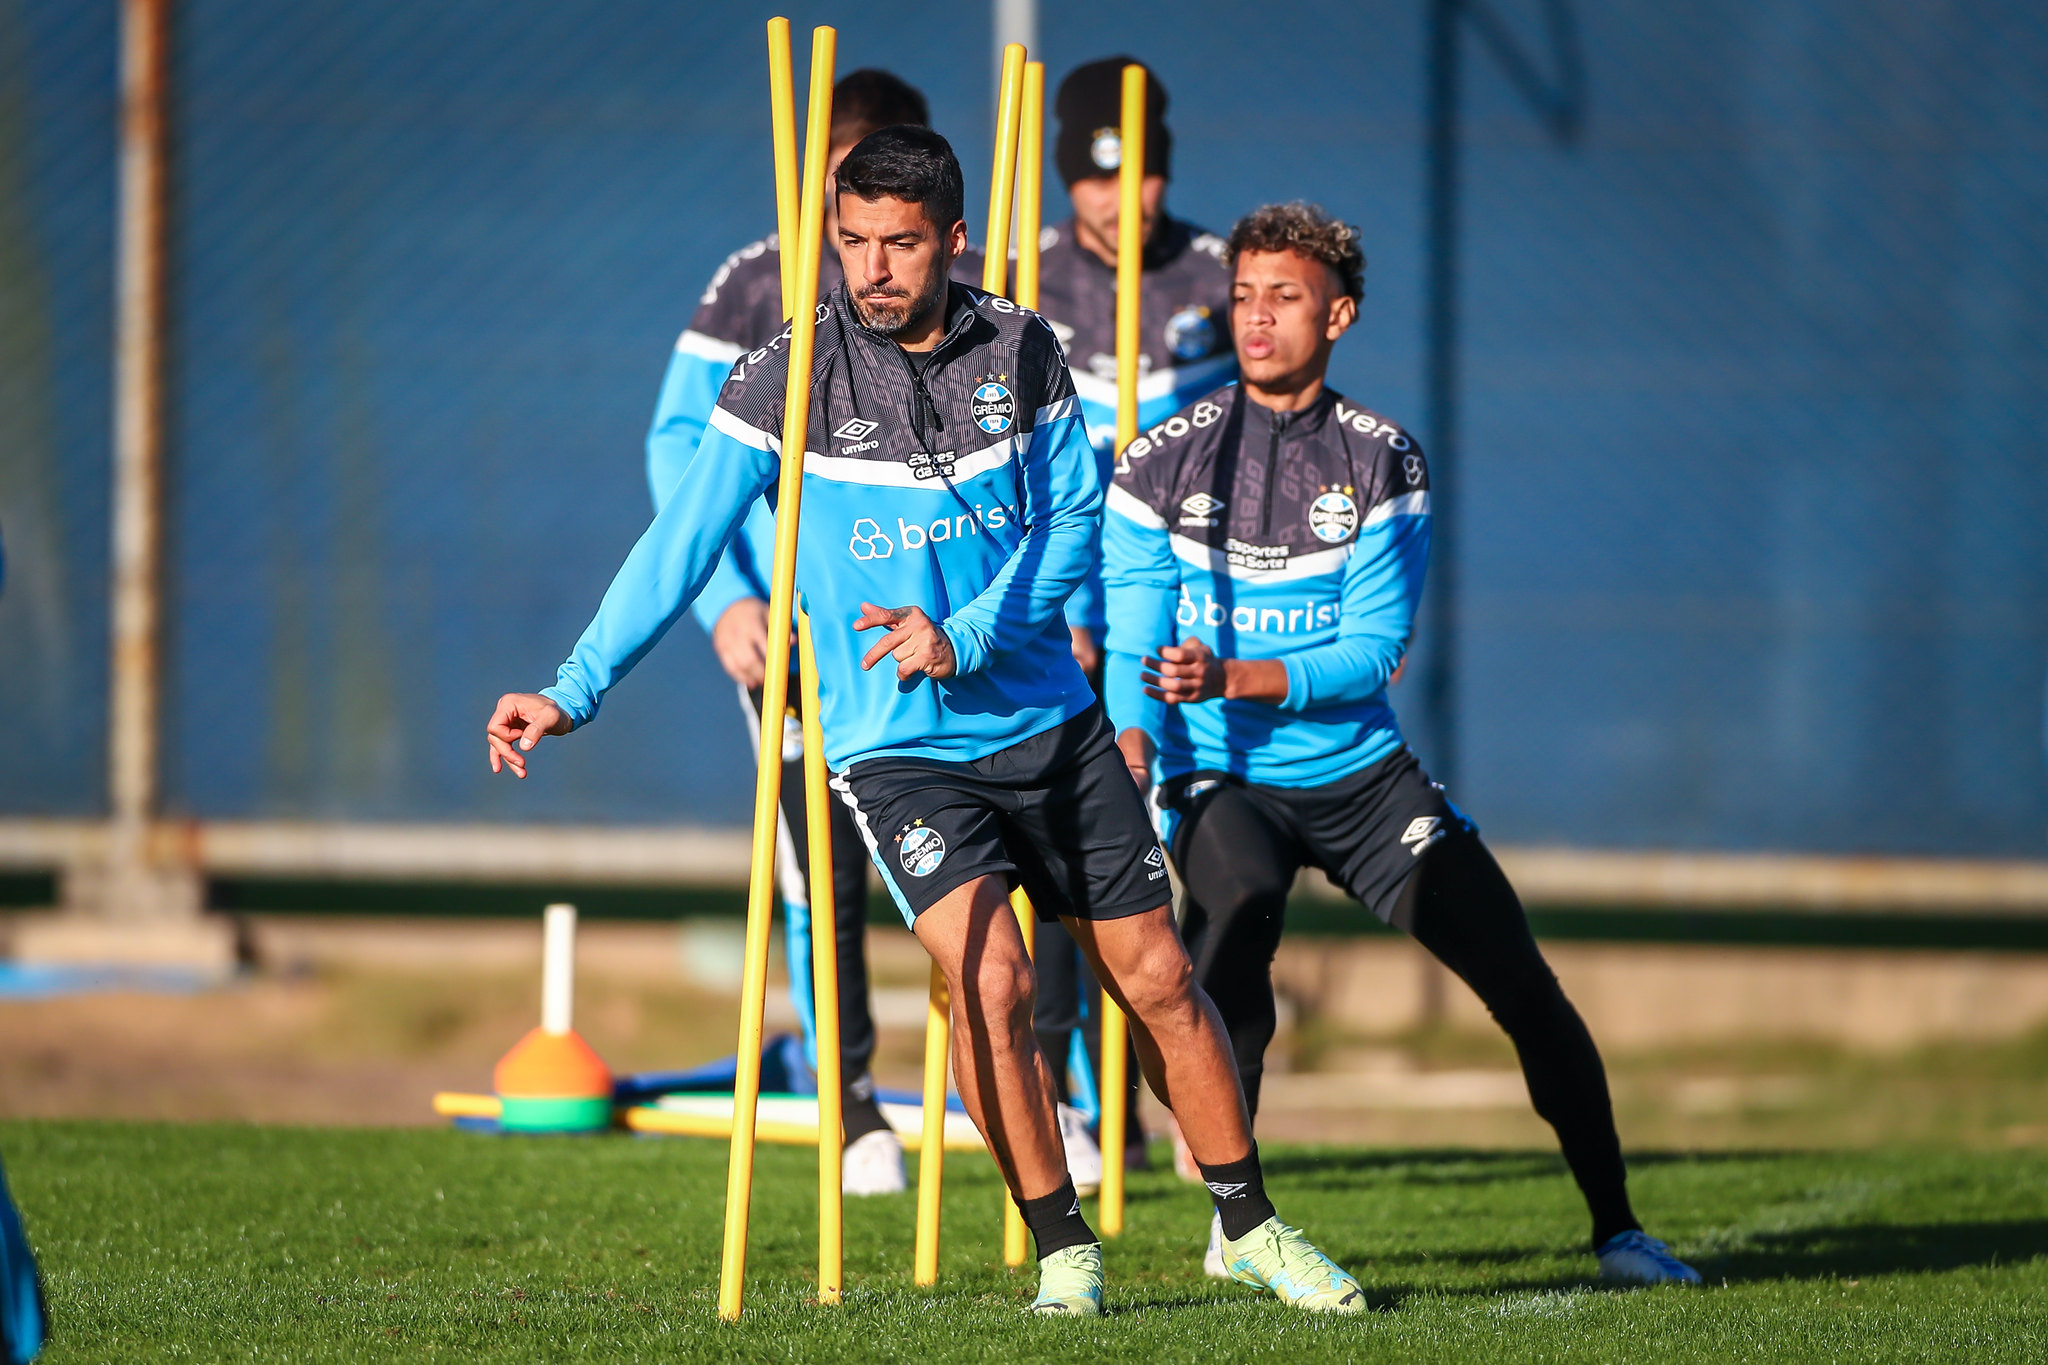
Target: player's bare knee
{"type": "Point", "coordinates": [1160, 985]}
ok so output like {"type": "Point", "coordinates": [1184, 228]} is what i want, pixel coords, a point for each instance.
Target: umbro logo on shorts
{"type": "Point", "coordinates": [1155, 858]}
{"type": "Point", "coordinates": [1422, 831]}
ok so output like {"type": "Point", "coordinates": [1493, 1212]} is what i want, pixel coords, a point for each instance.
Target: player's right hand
{"type": "Point", "coordinates": [740, 639]}
{"type": "Point", "coordinates": [518, 724]}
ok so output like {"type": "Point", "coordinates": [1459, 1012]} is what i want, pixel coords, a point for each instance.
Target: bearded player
{"type": "Point", "coordinates": [963, 735]}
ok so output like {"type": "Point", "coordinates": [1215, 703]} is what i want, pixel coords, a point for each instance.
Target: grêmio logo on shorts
{"type": "Point", "coordinates": [920, 849]}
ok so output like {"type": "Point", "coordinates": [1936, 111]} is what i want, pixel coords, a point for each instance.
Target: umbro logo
{"type": "Point", "coordinates": [1224, 1189]}
{"type": "Point", "coordinates": [1423, 831]}
{"type": "Point", "coordinates": [857, 432]}
{"type": "Point", "coordinates": [1155, 859]}
{"type": "Point", "coordinates": [1200, 510]}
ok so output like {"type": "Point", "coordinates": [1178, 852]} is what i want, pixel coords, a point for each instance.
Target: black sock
{"type": "Point", "coordinates": [1055, 1221]}
{"type": "Point", "coordinates": [859, 1115]}
{"type": "Point", "coordinates": [1239, 1189]}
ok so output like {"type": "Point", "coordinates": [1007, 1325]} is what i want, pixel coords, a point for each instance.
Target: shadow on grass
{"type": "Point", "coordinates": [1469, 1166]}
{"type": "Point", "coordinates": [1447, 1166]}
{"type": "Point", "coordinates": [1880, 1249]}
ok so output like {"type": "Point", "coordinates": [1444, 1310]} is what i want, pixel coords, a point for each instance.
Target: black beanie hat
{"type": "Point", "coordinates": [1090, 110]}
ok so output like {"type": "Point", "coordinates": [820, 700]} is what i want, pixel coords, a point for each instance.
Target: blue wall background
{"type": "Point", "coordinates": [1752, 474]}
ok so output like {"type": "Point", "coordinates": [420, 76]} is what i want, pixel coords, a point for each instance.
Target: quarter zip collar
{"type": "Point", "coordinates": [925, 421]}
{"type": "Point", "coordinates": [1279, 426]}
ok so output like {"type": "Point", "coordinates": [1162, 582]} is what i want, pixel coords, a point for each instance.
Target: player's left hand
{"type": "Point", "coordinates": [914, 641]}
{"type": "Point", "coordinates": [1185, 673]}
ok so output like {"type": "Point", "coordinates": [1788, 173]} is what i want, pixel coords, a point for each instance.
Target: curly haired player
{"type": "Point", "coordinates": [1280, 532]}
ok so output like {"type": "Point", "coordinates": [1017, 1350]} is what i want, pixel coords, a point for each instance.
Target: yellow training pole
{"type": "Point", "coordinates": [739, 1183]}
{"type": "Point", "coordinates": [782, 126]}
{"type": "Point", "coordinates": [817, 800]}
{"type": "Point", "coordinates": [1013, 1218]}
{"type": "Point", "coordinates": [825, 975]}
{"type": "Point", "coordinates": [1030, 186]}
{"type": "Point", "coordinates": [931, 1147]}
{"type": "Point", "coordinates": [931, 1171]}
{"type": "Point", "coordinates": [1003, 179]}
{"type": "Point", "coordinates": [1130, 255]}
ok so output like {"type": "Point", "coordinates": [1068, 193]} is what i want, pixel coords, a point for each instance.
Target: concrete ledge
{"type": "Point", "coordinates": [205, 943]}
{"type": "Point", "coordinates": [695, 856]}
{"type": "Point", "coordinates": [1636, 996]}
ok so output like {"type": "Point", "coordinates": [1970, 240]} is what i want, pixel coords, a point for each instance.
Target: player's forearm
{"type": "Point", "coordinates": [1254, 680]}
{"type": "Point", "coordinates": [1124, 696]}
{"type": "Point", "coordinates": [663, 573]}
{"type": "Point", "coordinates": [1027, 594]}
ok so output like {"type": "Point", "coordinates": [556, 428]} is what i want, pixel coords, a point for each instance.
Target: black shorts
{"type": "Point", "coordinates": [1366, 830]}
{"type": "Point", "coordinates": [1057, 813]}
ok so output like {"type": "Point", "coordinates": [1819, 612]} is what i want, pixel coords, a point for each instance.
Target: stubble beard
{"type": "Point", "coordinates": [897, 320]}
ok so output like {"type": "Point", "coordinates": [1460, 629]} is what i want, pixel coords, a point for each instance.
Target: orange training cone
{"type": "Point", "coordinates": [551, 1081]}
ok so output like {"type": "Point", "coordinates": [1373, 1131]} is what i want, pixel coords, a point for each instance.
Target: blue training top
{"type": "Point", "coordinates": [959, 481]}
{"type": "Point", "coordinates": [741, 307]}
{"type": "Point", "coordinates": [1298, 536]}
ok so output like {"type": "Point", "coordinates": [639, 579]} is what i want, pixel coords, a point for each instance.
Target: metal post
{"type": "Point", "coordinates": [138, 882]}
{"type": "Point", "coordinates": [1013, 21]}
{"type": "Point", "coordinates": [1438, 633]}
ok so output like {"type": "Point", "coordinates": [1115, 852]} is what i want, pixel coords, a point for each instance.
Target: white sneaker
{"type": "Point", "coordinates": [1212, 1259]}
{"type": "Point", "coordinates": [873, 1164]}
{"type": "Point", "coordinates": [1084, 1158]}
{"type": "Point", "coordinates": [1635, 1257]}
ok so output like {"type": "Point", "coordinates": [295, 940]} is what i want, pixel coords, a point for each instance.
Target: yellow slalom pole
{"type": "Point", "coordinates": [1130, 249]}
{"type": "Point", "coordinates": [817, 800]}
{"type": "Point", "coordinates": [1027, 923]}
{"type": "Point", "coordinates": [931, 1170]}
{"type": "Point", "coordinates": [824, 976]}
{"type": "Point", "coordinates": [1030, 188]}
{"type": "Point", "coordinates": [1003, 179]}
{"type": "Point", "coordinates": [782, 125]}
{"type": "Point", "coordinates": [739, 1183]}
{"type": "Point", "coordinates": [931, 1147]}
{"type": "Point", "coordinates": [1030, 185]}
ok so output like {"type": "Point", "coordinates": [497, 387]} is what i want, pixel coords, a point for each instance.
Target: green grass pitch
{"type": "Point", "coordinates": [200, 1243]}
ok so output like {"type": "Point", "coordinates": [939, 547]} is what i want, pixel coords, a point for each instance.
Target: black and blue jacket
{"type": "Point", "coordinates": [958, 480]}
{"type": "Point", "coordinates": [741, 308]}
{"type": "Point", "coordinates": [1299, 536]}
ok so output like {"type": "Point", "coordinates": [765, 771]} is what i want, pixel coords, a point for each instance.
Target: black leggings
{"type": "Point", "coordinates": [1239, 859]}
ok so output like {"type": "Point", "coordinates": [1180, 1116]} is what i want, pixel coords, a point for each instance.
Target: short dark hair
{"type": "Point", "coordinates": [870, 98]}
{"type": "Point", "coordinates": [1308, 232]}
{"type": "Point", "coordinates": [915, 165]}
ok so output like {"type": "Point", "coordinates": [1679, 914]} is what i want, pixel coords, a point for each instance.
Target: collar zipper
{"type": "Point", "coordinates": [1274, 421]}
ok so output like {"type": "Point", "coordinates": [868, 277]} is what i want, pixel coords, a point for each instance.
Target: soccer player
{"type": "Point", "coordinates": [1184, 352]}
{"type": "Point", "coordinates": [951, 501]}
{"type": "Point", "coordinates": [740, 309]}
{"type": "Point", "coordinates": [1279, 532]}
